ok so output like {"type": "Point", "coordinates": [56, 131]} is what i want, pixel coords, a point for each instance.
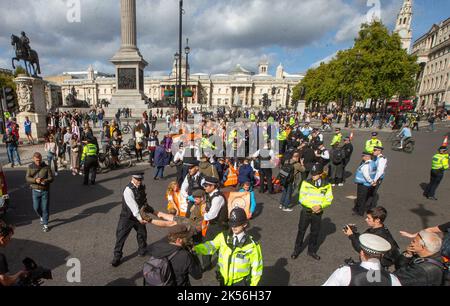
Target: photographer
{"type": "Point", "coordinates": [178, 251]}
{"type": "Point", "coordinates": [375, 220]}
{"type": "Point", "coordinates": [6, 233]}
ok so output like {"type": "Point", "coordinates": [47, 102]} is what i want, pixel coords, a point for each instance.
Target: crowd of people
{"type": "Point", "coordinates": [201, 224]}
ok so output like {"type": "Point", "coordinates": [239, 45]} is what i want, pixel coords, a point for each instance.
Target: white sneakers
{"type": "Point", "coordinates": [340, 184]}
{"type": "Point", "coordinates": [288, 209]}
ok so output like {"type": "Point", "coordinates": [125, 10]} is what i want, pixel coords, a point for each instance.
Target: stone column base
{"type": "Point", "coordinates": [38, 126]}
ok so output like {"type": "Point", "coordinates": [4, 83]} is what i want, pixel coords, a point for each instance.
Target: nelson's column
{"type": "Point", "coordinates": [129, 64]}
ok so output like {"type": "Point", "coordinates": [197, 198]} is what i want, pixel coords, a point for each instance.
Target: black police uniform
{"type": "Point", "coordinates": [127, 222]}
{"type": "Point", "coordinates": [265, 174]}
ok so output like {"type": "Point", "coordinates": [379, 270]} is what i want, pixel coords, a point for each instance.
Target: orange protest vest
{"type": "Point", "coordinates": [178, 202]}
{"type": "Point", "coordinates": [232, 177]}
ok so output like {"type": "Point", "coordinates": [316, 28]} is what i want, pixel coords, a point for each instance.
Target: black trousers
{"type": "Point", "coordinates": [90, 167]}
{"type": "Point", "coordinates": [267, 175]}
{"type": "Point", "coordinates": [123, 230]}
{"type": "Point", "coordinates": [362, 197]}
{"type": "Point", "coordinates": [307, 217]}
{"type": "Point", "coordinates": [436, 177]}
{"type": "Point", "coordinates": [373, 196]}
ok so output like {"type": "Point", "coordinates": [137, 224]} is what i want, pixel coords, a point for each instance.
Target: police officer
{"type": "Point", "coordinates": [216, 213]}
{"type": "Point", "coordinates": [90, 160]}
{"type": "Point", "coordinates": [265, 155]}
{"type": "Point", "coordinates": [315, 195]}
{"type": "Point", "coordinates": [380, 164]}
{"type": "Point", "coordinates": [240, 259]}
{"type": "Point", "coordinates": [368, 272]}
{"type": "Point", "coordinates": [337, 138]}
{"type": "Point", "coordinates": [134, 198]}
{"type": "Point", "coordinates": [192, 181]}
{"type": "Point", "coordinates": [438, 166]}
{"type": "Point", "coordinates": [364, 179]}
{"type": "Point", "coordinates": [372, 143]}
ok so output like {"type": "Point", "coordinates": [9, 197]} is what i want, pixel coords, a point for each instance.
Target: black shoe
{"type": "Point", "coordinates": [142, 253]}
{"type": "Point", "coordinates": [85, 184]}
{"type": "Point", "coordinates": [156, 179]}
{"type": "Point", "coordinates": [93, 182]}
{"type": "Point", "coordinates": [314, 255]}
{"type": "Point", "coordinates": [116, 262]}
{"type": "Point", "coordinates": [294, 256]}
{"type": "Point", "coordinates": [432, 198]}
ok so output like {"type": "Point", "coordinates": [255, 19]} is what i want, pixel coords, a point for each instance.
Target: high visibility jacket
{"type": "Point", "coordinates": [89, 150]}
{"type": "Point", "coordinates": [440, 161]}
{"type": "Point", "coordinates": [235, 263]}
{"type": "Point", "coordinates": [282, 136]}
{"type": "Point", "coordinates": [336, 139]}
{"type": "Point", "coordinates": [372, 143]}
{"type": "Point", "coordinates": [232, 176]}
{"type": "Point", "coordinates": [180, 202]}
{"type": "Point", "coordinates": [232, 136]}
{"type": "Point", "coordinates": [206, 144]}
{"type": "Point", "coordinates": [359, 177]}
{"type": "Point", "coordinates": [292, 121]}
{"type": "Point", "coordinates": [252, 117]}
{"type": "Point", "coordinates": [311, 195]}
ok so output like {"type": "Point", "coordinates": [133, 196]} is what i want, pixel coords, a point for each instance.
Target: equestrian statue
{"type": "Point", "coordinates": [25, 53]}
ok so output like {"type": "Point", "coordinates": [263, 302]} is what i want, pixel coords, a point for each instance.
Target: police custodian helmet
{"type": "Point", "coordinates": [373, 244]}
{"type": "Point", "coordinates": [238, 217]}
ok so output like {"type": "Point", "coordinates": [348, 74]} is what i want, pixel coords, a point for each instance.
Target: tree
{"type": "Point", "coordinates": [376, 68]}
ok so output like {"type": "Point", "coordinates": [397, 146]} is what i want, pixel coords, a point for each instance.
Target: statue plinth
{"type": "Point", "coordinates": [32, 104]}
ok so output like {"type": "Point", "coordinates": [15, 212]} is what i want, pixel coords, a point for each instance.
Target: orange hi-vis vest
{"type": "Point", "coordinates": [177, 200]}
{"type": "Point", "coordinates": [232, 177]}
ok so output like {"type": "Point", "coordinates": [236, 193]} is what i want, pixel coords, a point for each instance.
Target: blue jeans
{"type": "Point", "coordinates": [286, 196]}
{"type": "Point", "coordinates": [160, 171]}
{"type": "Point", "coordinates": [13, 154]}
{"type": "Point", "coordinates": [41, 204]}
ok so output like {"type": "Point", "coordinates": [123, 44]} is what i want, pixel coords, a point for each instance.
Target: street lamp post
{"type": "Point", "coordinates": [177, 58]}
{"type": "Point", "coordinates": [180, 52]}
{"type": "Point", "coordinates": [187, 50]}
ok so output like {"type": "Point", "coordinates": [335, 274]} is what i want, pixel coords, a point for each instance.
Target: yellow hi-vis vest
{"type": "Point", "coordinates": [235, 263]}
{"type": "Point", "coordinates": [311, 195]}
{"type": "Point", "coordinates": [440, 161]}
{"type": "Point", "coordinates": [372, 143]}
{"type": "Point", "coordinates": [336, 139]}
{"type": "Point", "coordinates": [89, 150]}
{"type": "Point", "coordinates": [282, 136]}
{"type": "Point", "coordinates": [292, 121]}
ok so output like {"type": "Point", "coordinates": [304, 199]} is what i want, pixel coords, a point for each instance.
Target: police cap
{"type": "Point", "coordinates": [238, 217]}
{"type": "Point", "coordinates": [316, 169]}
{"type": "Point", "coordinates": [443, 148]}
{"type": "Point", "coordinates": [209, 180]}
{"type": "Point", "coordinates": [373, 244]}
{"type": "Point", "coordinates": [365, 153]}
{"type": "Point", "coordinates": [378, 148]}
{"type": "Point", "coordinates": [138, 176]}
{"type": "Point", "coordinates": [374, 134]}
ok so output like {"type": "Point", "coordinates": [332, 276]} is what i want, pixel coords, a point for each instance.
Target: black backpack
{"type": "Point", "coordinates": [286, 175]}
{"type": "Point", "coordinates": [337, 156]}
{"type": "Point", "coordinates": [158, 272]}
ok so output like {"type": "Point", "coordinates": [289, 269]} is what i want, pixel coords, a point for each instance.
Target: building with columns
{"type": "Point", "coordinates": [403, 25]}
{"type": "Point", "coordinates": [433, 52]}
{"type": "Point", "coordinates": [240, 87]}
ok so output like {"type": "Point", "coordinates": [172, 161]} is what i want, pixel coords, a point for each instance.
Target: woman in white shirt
{"type": "Point", "coordinates": [51, 148]}
{"type": "Point", "coordinates": [139, 137]}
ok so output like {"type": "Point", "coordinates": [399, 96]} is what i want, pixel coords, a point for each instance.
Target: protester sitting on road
{"type": "Point", "coordinates": [247, 187]}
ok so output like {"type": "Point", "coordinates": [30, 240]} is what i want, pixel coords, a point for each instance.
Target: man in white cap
{"type": "Point", "coordinates": [369, 271]}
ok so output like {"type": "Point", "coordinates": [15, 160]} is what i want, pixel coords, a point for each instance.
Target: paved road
{"type": "Point", "coordinates": [84, 220]}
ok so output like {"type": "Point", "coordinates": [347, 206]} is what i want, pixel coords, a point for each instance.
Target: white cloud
{"type": "Point", "coordinates": [222, 33]}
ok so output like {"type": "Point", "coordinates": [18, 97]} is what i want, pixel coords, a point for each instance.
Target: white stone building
{"type": "Point", "coordinates": [238, 88]}
{"type": "Point", "coordinates": [433, 51]}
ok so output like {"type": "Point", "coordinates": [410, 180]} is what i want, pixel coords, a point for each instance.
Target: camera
{"type": "Point", "coordinates": [35, 274]}
{"type": "Point", "coordinates": [353, 228]}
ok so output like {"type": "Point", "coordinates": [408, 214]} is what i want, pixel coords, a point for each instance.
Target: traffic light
{"type": "Point", "coordinates": [10, 99]}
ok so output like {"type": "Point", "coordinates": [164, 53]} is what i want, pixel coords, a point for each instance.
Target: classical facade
{"type": "Point", "coordinates": [433, 52]}
{"type": "Point", "coordinates": [239, 87]}
{"type": "Point", "coordinates": [403, 25]}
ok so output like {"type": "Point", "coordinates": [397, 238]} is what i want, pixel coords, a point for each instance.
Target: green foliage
{"type": "Point", "coordinates": [375, 68]}
{"type": "Point", "coordinates": [19, 70]}
{"type": "Point", "coordinates": [7, 81]}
